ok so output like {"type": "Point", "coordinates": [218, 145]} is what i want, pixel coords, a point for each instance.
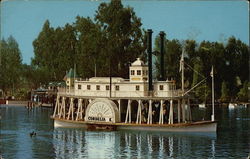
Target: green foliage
{"type": "Point", "coordinates": [224, 92]}
{"type": "Point", "coordinates": [244, 94]}
{"type": "Point", "coordinates": [230, 63]}
{"type": "Point", "coordinates": [122, 33]}
{"type": "Point", "coordinates": [114, 33]}
{"type": "Point", "coordinates": [202, 92]}
{"type": "Point", "coordinates": [10, 66]}
{"type": "Point", "coordinates": [113, 39]}
{"type": "Point", "coordinates": [172, 55]}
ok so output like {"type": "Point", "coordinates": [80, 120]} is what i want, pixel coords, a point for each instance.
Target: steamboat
{"type": "Point", "coordinates": [137, 103]}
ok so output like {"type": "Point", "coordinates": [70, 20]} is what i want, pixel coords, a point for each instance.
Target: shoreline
{"type": "Point", "coordinates": [24, 103]}
{"type": "Point", "coordinates": [15, 103]}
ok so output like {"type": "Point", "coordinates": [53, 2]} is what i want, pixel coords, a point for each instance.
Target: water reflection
{"type": "Point", "coordinates": [15, 127]}
{"type": "Point", "coordinates": [77, 143]}
{"type": "Point", "coordinates": [232, 139]}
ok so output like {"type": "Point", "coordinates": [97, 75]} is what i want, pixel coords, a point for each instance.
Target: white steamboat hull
{"type": "Point", "coordinates": [202, 126]}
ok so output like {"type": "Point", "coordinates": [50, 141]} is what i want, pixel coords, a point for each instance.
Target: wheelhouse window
{"type": "Point", "coordinates": [88, 87]}
{"type": "Point", "coordinates": [98, 87]}
{"type": "Point", "coordinates": [79, 86]}
{"type": "Point", "coordinates": [138, 72]}
{"type": "Point", "coordinates": [143, 72]}
{"type": "Point", "coordinates": [117, 88]}
{"type": "Point", "coordinates": [161, 87]}
{"type": "Point", "coordinates": [107, 87]}
{"type": "Point", "coordinates": [137, 87]}
{"type": "Point", "coordinates": [132, 72]}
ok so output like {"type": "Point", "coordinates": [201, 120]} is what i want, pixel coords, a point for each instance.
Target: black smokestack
{"type": "Point", "coordinates": [149, 50]}
{"type": "Point", "coordinates": [162, 71]}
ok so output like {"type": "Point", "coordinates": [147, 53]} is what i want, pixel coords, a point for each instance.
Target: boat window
{"type": "Point", "coordinates": [137, 87]}
{"type": "Point", "coordinates": [97, 87]}
{"type": "Point", "coordinates": [161, 87]}
{"type": "Point", "coordinates": [107, 87]}
{"type": "Point", "coordinates": [170, 87]}
{"type": "Point", "coordinates": [79, 86]}
{"type": "Point", "coordinates": [88, 87]}
{"type": "Point", "coordinates": [143, 72]}
{"type": "Point", "coordinates": [146, 72]}
{"type": "Point", "coordinates": [117, 88]}
{"type": "Point", "coordinates": [138, 72]}
{"type": "Point", "coordinates": [132, 72]}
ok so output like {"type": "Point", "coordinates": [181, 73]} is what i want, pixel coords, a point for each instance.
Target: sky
{"type": "Point", "coordinates": [179, 19]}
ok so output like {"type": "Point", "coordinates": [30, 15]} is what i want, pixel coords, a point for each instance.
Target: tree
{"type": "Point", "coordinates": [90, 48]}
{"type": "Point", "coordinates": [244, 94]}
{"type": "Point", "coordinates": [123, 35]}
{"type": "Point", "coordinates": [202, 91]}
{"type": "Point", "coordinates": [224, 92]}
{"type": "Point", "coordinates": [45, 52]}
{"type": "Point", "coordinates": [113, 39]}
{"type": "Point", "coordinates": [191, 53]}
{"type": "Point", "coordinates": [10, 66]}
{"type": "Point", "coordinates": [172, 57]}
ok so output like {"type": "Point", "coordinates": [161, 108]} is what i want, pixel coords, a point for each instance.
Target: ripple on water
{"type": "Point", "coordinates": [232, 140]}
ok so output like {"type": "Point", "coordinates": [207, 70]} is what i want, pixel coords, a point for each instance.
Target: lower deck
{"type": "Point", "coordinates": [154, 114]}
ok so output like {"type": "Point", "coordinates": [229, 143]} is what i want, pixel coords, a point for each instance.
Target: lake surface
{"type": "Point", "coordinates": [231, 141]}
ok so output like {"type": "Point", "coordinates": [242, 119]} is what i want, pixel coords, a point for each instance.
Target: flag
{"type": "Point", "coordinates": [212, 72]}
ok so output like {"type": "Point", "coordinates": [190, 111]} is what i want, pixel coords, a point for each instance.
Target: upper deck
{"type": "Point", "coordinates": [116, 87]}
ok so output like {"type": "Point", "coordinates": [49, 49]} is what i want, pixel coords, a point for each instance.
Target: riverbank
{"type": "Point", "coordinates": [25, 103]}
{"type": "Point", "coordinates": [15, 103]}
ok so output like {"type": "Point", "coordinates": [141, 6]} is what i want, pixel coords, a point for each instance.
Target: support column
{"type": "Point", "coordinates": [161, 113]}
{"type": "Point", "coordinates": [171, 113]}
{"type": "Point", "coordinates": [71, 109]}
{"type": "Point", "coordinates": [59, 105]}
{"type": "Point", "coordinates": [56, 106]}
{"type": "Point", "coordinates": [79, 108]}
{"type": "Point", "coordinates": [138, 119]}
{"type": "Point", "coordinates": [150, 112]}
{"type": "Point", "coordinates": [85, 107]}
{"type": "Point", "coordinates": [189, 111]}
{"type": "Point", "coordinates": [128, 114]}
{"type": "Point", "coordinates": [183, 111]}
{"type": "Point", "coordinates": [119, 107]}
{"type": "Point", "coordinates": [62, 108]}
{"type": "Point", "coordinates": [179, 111]}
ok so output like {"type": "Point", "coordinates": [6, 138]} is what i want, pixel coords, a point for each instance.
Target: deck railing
{"type": "Point", "coordinates": [120, 93]}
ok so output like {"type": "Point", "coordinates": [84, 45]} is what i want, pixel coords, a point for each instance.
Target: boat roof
{"type": "Point", "coordinates": [70, 74]}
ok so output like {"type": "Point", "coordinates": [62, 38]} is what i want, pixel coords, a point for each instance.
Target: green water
{"type": "Point", "coordinates": [231, 141]}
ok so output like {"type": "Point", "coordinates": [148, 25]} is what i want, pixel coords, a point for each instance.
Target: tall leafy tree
{"type": "Point", "coordinates": [244, 93]}
{"type": "Point", "coordinates": [123, 34]}
{"type": "Point", "coordinates": [224, 92]}
{"type": "Point", "coordinates": [45, 53]}
{"type": "Point", "coordinates": [191, 55]}
{"type": "Point", "coordinates": [90, 48]}
{"type": "Point", "coordinates": [10, 68]}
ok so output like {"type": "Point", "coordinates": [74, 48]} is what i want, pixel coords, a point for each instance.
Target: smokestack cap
{"type": "Point", "coordinates": [150, 30]}
{"type": "Point", "coordinates": [162, 33]}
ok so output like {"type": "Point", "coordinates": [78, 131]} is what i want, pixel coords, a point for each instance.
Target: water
{"type": "Point", "coordinates": [231, 141]}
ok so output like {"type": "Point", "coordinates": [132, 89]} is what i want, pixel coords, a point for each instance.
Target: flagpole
{"type": "Point", "coordinates": [182, 73]}
{"type": "Point", "coordinates": [212, 75]}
